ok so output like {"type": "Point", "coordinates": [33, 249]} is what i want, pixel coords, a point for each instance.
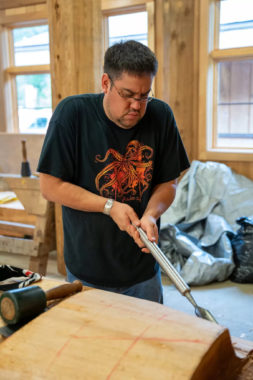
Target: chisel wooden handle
{"type": "Point", "coordinates": [63, 290]}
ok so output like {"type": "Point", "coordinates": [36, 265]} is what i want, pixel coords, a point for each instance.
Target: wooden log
{"type": "Point", "coordinates": [103, 335]}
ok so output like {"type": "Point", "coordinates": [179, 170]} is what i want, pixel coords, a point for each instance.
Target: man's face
{"type": "Point", "coordinates": [125, 99]}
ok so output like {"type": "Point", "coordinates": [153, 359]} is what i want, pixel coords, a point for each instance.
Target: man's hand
{"type": "Point", "coordinates": [148, 224]}
{"type": "Point", "coordinates": [124, 216]}
{"type": "Point", "coordinates": [126, 219]}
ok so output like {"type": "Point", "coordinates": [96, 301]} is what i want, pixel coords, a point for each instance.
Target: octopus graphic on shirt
{"type": "Point", "coordinates": [127, 176]}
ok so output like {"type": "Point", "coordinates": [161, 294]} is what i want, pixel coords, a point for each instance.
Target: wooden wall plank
{"type": "Point", "coordinates": [8, 4]}
{"type": "Point", "coordinates": [112, 4]}
{"type": "Point", "coordinates": [76, 56]}
{"type": "Point", "coordinates": [175, 41]}
{"type": "Point", "coordinates": [240, 167]}
{"type": "Point", "coordinates": [30, 15]}
{"type": "Point", "coordinates": [75, 47]}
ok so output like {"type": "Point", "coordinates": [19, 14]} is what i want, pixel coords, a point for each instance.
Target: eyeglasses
{"type": "Point", "coordinates": [130, 98]}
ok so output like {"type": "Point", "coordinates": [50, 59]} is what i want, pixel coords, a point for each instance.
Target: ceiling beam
{"type": "Point", "coordinates": [7, 4]}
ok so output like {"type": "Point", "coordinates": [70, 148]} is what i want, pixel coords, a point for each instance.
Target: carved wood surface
{"type": "Point", "coordinates": [103, 335]}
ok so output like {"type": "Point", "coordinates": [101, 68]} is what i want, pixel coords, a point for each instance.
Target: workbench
{"type": "Point", "coordinates": [27, 225]}
{"type": "Point", "coordinates": [101, 335]}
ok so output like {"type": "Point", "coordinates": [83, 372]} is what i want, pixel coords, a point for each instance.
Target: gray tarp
{"type": "Point", "coordinates": [196, 229]}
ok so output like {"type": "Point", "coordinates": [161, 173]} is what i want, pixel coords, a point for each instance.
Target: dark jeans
{"type": "Point", "coordinates": [150, 290]}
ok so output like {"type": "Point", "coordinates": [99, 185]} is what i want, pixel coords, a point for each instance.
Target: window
{"type": "Point", "coordinates": [31, 47]}
{"type": "Point", "coordinates": [25, 61]}
{"type": "Point", "coordinates": [226, 77]}
{"type": "Point", "coordinates": [133, 22]}
{"type": "Point", "coordinates": [119, 30]}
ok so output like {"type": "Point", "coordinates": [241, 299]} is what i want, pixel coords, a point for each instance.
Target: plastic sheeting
{"type": "Point", "coordinates": [197, 229]}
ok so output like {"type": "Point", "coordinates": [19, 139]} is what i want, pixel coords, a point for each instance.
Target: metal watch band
{"type": "Point", "coordinates": [108, 206]}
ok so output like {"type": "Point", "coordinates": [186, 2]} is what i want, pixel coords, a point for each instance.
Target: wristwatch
{"type": "Point", "coordinates": [108, 206]}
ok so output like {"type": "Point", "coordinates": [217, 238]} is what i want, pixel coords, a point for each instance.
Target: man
{"type": "Point", "coordinates": [112, 160]}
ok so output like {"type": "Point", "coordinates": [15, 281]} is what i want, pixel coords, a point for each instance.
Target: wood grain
{"type": "Point", "coordinates": [102, 335]}
{"type": "Point", "coordinates": [7, 4]}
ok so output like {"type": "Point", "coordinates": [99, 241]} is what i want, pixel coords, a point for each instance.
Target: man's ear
{"type": "Point", "coordinates": [106, 83]}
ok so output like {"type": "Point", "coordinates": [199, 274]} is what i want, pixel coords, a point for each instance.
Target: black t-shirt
{"type": "Point", "coordinates": [84, 147]}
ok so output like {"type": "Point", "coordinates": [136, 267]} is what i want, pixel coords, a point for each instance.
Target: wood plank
{"type": "Point", "coordinates": [59, 240]}
{"type": "Point", "coordinates": [16, 181]}
{"type": "Point", "coordinates": [105, 335]}
{"type": "Point", "coordinates": [107, 5]}
{"type": "Point", "coordinates": [45, 239]}
{"type": "Point", "coordinates": [16, 229]}
{"type": "Point", "coordinates": [16, 215]}
{"type": "Point", "coordinates": [235, 53]}
{"type": "Point", "coordinates": [36, 69]}
{"type": "Point", "coordinates": [18, 17]}
{"type": "Point", "coordinates": [28, 192]}
{"type": "Point", "coordinates": [7, 4]}
{"type": "Point", "coordinates": [5, 84]}
{"type": "Point", "coordinates": [75, 69]}
{"type": "Point", "coordinates": [18, 246]}
{"type": "Point", "coordinates": [3, 45]}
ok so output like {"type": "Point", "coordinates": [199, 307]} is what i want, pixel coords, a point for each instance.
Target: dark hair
{"type": "Point", "coordinates": [131, 57]}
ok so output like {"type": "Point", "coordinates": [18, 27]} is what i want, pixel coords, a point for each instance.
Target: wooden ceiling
{"type": "Point", "coordinates": [6, 4]}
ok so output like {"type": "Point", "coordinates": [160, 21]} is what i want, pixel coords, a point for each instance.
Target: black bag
{"type": "Point", "coordinates": [242, 244]}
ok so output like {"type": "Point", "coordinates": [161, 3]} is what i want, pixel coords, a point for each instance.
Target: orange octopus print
{"type": "Point", "coordinates": [127, 176]}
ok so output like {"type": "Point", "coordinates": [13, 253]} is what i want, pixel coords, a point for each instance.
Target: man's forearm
{"type": "Point", "coordinates": [67, 194]}
{"type": "Point", "coordinates": [162, 197]}
{"type": "Point", "coordinates": [70, 195]}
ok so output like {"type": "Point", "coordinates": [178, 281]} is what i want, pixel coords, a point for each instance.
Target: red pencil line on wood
{"type": "Point", "coordinates": [66, 343]}
{"type": "Point", "coordinates": [125, 353]}
{"type": "Point", "coordinates": [153, 338]}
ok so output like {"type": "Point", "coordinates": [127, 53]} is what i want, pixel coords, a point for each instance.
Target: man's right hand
{"type": "Point", "coordinates": [126, 219]}
{"type": "Point", "coordinates": [124, 216]}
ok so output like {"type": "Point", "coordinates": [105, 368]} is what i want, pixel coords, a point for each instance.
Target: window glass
{"type": "Point", "coordinates": [34, 102]}
{"type": "Point", "coordinates": [31, 45]}
{"type": "Point", "coordinates": [129, 26]}
{"type": "Point", "coordinates": [236, 23]}
{"type": "Point", "coordinates": [235, 104]}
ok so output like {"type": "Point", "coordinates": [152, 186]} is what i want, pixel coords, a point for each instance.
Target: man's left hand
{"type": "Point", "coordinates": [148, 224]}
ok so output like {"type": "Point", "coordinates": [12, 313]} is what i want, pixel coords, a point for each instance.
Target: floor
{"type": "Point", "coordinates": [230, 303]}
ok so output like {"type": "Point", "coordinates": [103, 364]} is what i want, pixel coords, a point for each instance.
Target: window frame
{"type": "Point", "coordinates": [11, 19]}
{"type": "Point", "coordinates": [109, 8]}
{"type": "Point", "coordinates": [209, 57]}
